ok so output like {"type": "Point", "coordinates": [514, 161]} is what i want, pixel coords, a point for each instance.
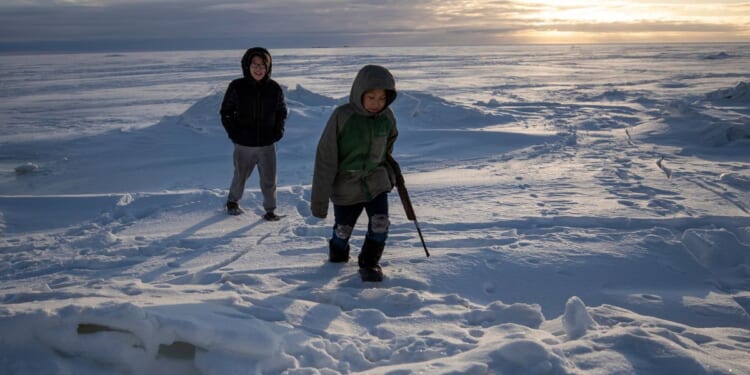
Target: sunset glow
{"type": "Point", "coordinates": [582, 21]}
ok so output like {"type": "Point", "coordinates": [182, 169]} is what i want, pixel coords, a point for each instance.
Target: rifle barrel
{"type": "Point", "coordinates": [421, 238]}
{"type": "Point", "coordinates": [405, 200]}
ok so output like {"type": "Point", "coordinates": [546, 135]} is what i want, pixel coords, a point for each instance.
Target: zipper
{"type": "Point", "coordinates": [257, 114]}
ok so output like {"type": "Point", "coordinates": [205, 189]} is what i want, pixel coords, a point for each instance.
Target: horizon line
{"type": "Point", "coordinates": [35, 48]}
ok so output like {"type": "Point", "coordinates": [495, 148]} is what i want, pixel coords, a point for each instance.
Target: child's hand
{"type": "Point", "coordinates": [318, 210]}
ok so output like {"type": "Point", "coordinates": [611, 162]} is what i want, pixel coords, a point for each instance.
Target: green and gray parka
{"type": "Point", "coordinates": [350, 164]}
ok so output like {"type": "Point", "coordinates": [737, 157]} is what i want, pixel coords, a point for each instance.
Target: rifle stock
{"type": "Point", "coordinates": [405, 200]}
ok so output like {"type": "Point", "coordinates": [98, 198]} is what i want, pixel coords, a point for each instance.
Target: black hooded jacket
{"type": "Point", "coordinates": [254, 112]}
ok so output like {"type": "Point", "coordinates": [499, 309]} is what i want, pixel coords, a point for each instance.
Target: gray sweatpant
{"type": "Point", "coordinates": [245, 159]}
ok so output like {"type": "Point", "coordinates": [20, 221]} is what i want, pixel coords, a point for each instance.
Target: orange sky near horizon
{"type": "Point", "coordinates": [592, 21]}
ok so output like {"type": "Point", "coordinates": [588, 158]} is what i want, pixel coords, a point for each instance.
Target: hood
{"type": "Point", "coordinates": [256, 51]}
{"type": "Point", "coordinates": [372, 77]}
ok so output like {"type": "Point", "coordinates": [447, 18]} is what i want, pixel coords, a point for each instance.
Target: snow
{"type": "Point", "coordinates": [586, 208]}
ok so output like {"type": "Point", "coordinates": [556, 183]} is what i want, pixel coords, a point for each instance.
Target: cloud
{"type": "Point", "coordinates": [292, 23]}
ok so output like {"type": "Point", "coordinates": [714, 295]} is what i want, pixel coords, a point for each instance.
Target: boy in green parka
{"type": "Point", "coordinates": [351, 169]}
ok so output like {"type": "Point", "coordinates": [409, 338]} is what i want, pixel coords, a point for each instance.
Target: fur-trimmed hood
{"type": "Point", "coordinates": [248, 57]}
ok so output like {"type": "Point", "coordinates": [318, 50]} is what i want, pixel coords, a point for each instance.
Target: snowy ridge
{"type": "Point", "coordinates": [606, 230]}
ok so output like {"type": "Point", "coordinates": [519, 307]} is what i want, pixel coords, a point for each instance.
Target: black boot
{"type": "Point", "coordinates": [233, 208]}
{"type": "Point", "coordinates": [336, 255]}
{"type": "Point", "coordinates": [369, 261]}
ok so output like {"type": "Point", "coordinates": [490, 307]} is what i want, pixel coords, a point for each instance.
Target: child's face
{"type": "Point", "coordinates": [257, 68]}
{"type": "Point", "coordinates": [374, 100]}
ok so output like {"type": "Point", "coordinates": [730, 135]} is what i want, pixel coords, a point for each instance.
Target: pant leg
{"type": "Point", "coordinates": [244, 161]}
{"type": "Point", "coordinates": [345, 218]}
{"type": "Point", "coordinates": [378, 221]}
{"type": "Point", "coordinates": [267, 172]}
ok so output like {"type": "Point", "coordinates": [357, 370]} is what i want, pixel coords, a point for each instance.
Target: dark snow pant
{"type": "Point", "coordinates": [345, 219]}
{"type": "Point", "coordinates": [245, 160]}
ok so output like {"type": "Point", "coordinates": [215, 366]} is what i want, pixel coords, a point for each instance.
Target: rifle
{"type": "Point", "coordinates": [405, 200]}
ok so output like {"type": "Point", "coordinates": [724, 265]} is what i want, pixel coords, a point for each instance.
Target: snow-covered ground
{"type": "Point", "coordinates": [587, 211]}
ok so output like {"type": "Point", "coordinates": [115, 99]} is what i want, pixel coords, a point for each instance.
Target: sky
{"type": "Point", "coordinates": [199, 24]}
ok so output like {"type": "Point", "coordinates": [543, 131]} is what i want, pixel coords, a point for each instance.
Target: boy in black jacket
{"type": "Point", "coordinates": [253, 113]}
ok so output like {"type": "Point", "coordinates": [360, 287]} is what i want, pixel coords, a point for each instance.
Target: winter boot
{"type": "Point", "coordinates": [271, 216]}
{"type": "Point", "coordinates": [369, 261]}
{"type": "Point", "coordinates": [337, 255]}
{"type": "Point", "coordinates": [233, 208]}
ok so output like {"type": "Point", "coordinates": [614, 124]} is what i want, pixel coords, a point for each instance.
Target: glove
{"type": "Point", "coordinates": [319, 211]}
